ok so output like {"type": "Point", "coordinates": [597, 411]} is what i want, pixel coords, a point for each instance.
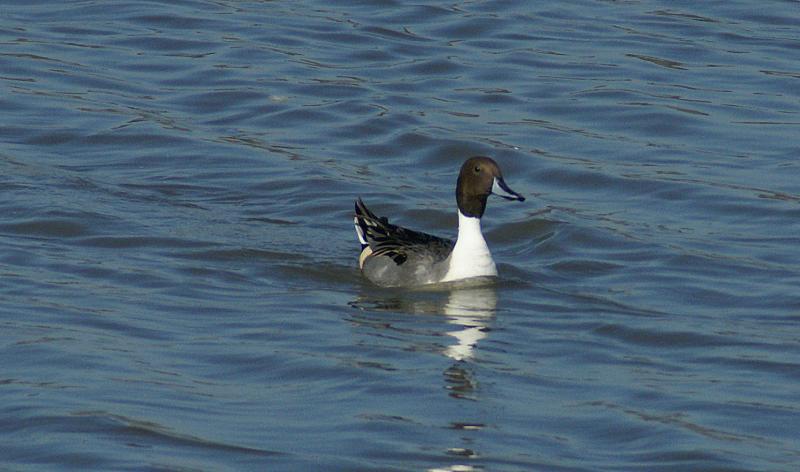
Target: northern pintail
{"type": "Point", "coordinates": [393, 256]}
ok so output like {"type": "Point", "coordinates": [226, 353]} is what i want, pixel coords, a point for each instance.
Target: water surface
{"type": "Point", "coordinates": [178, 281]}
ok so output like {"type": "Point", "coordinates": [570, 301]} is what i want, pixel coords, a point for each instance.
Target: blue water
{"type": "Point", "coordinates": [178, 277]}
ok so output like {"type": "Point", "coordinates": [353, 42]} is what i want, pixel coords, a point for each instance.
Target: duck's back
{"type": "Point", "coordinates": [394, 256]}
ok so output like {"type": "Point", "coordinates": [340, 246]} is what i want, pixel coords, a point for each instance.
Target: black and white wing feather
{"type": "Point", "coordinates": [396, 242]}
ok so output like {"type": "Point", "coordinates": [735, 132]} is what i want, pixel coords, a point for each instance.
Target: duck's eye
{"type": "Point", "coordinates": [477, 169]}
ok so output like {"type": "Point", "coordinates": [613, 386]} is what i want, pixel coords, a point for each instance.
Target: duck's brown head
{"type": "Point", "coordinates": [480, 177]}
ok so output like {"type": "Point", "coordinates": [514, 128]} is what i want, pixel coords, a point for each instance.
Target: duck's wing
{"type": "Point", "coordinates": [396, 242]}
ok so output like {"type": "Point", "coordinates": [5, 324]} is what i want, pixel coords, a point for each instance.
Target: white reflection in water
{"type": "Point", "coordinates": [454, 468]}
{"type": "Point", "coordinates": [471, 310]}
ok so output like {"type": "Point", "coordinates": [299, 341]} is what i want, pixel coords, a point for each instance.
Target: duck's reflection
{"type": "Point", "coordinates": [462, 316]}
{"type": "Point", "coordinates": [471, 310]}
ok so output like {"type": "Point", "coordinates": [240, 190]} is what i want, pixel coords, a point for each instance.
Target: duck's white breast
{"type": "Point", "coordinates": [470, 256]}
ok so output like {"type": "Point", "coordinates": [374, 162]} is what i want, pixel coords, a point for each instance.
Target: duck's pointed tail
{"type": "Point", "coordinates": [360, 222]}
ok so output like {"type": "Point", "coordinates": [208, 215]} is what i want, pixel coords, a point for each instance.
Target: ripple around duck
{"type": "Point", "coordinates": [136, 433]}
{"type": "Point", "coordinates": [662, 339]}
{"type": "Point", "coordinates": [49, 228]}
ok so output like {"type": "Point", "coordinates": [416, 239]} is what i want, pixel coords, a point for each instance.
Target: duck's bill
{"type": "Point", "coordinates": [500, 189]}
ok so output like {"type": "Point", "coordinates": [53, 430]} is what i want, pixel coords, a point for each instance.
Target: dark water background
{"type": "Point", "coordinates": [178, 287]}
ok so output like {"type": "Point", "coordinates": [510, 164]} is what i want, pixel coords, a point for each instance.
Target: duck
{"type": "Point", "coordinates": [394, 256]}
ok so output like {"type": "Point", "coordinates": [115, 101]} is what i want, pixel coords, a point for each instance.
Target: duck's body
{"type": "Point", "coordinates": [393, 256]}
